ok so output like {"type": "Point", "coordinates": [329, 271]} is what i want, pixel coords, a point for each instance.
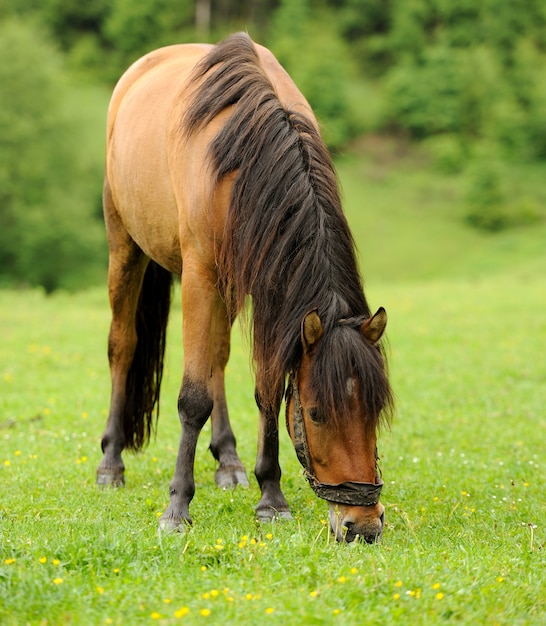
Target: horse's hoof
{"type": "Point", "coordinates": [110, 478]}
{"type": "Point", "coordinates": [169, 526]}
{"type": "Point", "coordinates": [230, 477]}
{"type": "Point", "coordinates": [269, 514]}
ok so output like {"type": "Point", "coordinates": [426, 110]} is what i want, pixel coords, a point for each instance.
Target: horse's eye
{"type": "Point", "coordinates": [316, 415]}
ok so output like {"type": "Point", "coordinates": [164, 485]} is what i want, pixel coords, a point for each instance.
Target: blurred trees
{"type": "Point", "coordinates": [461, 67]}
{"type": "Point", "coordinates": [464, 77]}
{"type": "Point", "coordinates": [48, 233]}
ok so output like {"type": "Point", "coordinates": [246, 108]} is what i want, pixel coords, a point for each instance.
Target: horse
{"type": "Point", "coordinates": [216, 172]}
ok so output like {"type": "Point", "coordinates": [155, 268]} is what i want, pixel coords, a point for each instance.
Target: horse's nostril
{"type": "Point", "coordinates": [350, 534]}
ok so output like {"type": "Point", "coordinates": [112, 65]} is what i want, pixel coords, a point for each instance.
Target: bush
{"type": "Point", "coordinates": [491, 205]}
{"type": "Point", "coordinates": [427, 98]}
{"type": "Point", "coordinates": [448, 152]}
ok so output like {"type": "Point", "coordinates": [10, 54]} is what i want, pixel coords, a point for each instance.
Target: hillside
{"type": "Point", "coordinates": [408, 218]}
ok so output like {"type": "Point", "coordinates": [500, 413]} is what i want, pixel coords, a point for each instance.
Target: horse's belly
{"type": "Point", "coordinates": [147, 208]}
{"type": "Point", "coordinates": [139, 176]}
{"type": "Point", "coordinates": [149, 213]}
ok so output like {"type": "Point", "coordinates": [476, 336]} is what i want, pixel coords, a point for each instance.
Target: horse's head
{"type": "Point", "coordinates": [334, 403]}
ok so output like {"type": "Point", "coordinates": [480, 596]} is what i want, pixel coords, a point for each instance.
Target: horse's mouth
{"type": "Point", "coordinates": [346, 529]}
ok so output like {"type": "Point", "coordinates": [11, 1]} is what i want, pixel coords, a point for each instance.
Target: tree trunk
{"type": "Point", "coordinates": [202, 17]}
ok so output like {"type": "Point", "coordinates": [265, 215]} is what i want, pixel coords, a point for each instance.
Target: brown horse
{"type": "Point", "coordinates": [216, 171]}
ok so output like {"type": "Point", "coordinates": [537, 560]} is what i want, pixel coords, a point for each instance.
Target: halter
{"type": "Point", "coordinates": [348, 493]}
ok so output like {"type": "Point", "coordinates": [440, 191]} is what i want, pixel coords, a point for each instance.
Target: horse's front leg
{"type": "Point", "coordinates": [273, 504]}
{"type": "Point", "coordinates": [194, 408]}
{"type": "Point", "coordinates": [200, 304]}
{"type": "Point", "coordinates": [231, 471]}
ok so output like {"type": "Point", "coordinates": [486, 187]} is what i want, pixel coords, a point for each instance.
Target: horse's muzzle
{"type": "Point", "coordinates": [360, 523]}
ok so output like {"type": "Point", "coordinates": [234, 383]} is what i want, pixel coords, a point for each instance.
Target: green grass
{"type": "Point", "coordinates": [463, 463]}
{"type": "Point", "coordinates": [463, 467]}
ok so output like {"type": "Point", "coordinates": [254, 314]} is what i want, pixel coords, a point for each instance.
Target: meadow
{"type": "Point", "coordinates": [463, 464]}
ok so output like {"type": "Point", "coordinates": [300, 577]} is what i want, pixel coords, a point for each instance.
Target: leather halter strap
{"type": "Point", "coordinates": [348, 493]}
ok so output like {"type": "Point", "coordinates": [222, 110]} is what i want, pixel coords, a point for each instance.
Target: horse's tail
{"type": "Point", "coordinates": [144, 378]}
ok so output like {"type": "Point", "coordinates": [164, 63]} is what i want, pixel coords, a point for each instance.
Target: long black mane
{"type": "Point", "coordinates": [286, 241]}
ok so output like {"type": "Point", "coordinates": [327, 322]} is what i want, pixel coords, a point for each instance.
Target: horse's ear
{"type": "Point", "coordinates": [374, 327]}
{"type": "Point", "coordinates": [311, 331]}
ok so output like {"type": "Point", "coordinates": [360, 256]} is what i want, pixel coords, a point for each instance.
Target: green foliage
{"type": "Point", "coordinates": [491, 205]}
{"type": "Point", "coordinates": [48, 234]}
{"type": "Point", "coordinates": [427, 98]}
{"type": "Point", "coordinates": [486, 197]}
{"type": "Point", "coordinates": [449, 153]}
{"type": "Point", "coordinates": [133, 28]}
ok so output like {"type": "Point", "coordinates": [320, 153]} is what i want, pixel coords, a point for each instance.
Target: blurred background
{"type": "Point", "coordinates": [434, 109]}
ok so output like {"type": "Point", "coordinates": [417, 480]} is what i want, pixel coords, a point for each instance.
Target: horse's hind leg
{"type": "Point", "coordinates": [127, 265]}
{"type": "Point", "coordinates": [231, 471]}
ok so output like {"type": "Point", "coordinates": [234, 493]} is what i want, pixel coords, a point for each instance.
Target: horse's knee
{"type": "Point", "coordinates": [194, 403]}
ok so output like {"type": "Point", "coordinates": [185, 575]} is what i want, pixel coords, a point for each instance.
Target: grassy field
{"type": "Point", "coordinates": [463, 465]}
